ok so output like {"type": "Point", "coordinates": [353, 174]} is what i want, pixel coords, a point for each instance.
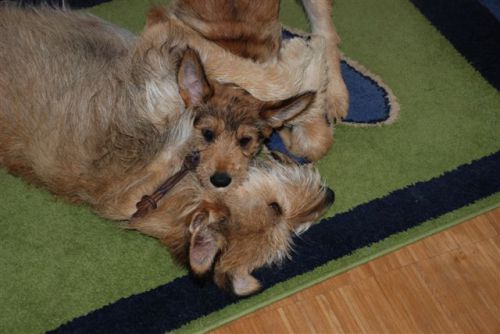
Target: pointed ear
{"type": "Point", "coordinates": [193, 84]}
{"type": "Point", "coordinates": [244, 285]}
{"type": "Point", "coordinates": [276, 113]}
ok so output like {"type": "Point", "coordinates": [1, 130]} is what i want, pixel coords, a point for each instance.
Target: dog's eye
{"type": "Point", "coordinates": [245, 141]}
{"type": "Point", "coordinates": [276, 208]}
{"type": "Point", "coordinates": [208, 135]}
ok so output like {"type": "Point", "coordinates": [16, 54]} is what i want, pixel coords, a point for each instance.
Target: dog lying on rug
{"type": "Point", "coordinates": [135, 84]}
{"type": "Point", "coordinates": [251, 29]}
{"type": "Point", "coordinates": [97, 116]}
{"type": "Point", "coordinates": [244, 228]}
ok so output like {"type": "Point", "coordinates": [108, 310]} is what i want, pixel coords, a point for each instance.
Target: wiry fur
{"type": "Point", "coordinates": [251, 29]}
{"type": "Point", "coordinates": [75, 114]}
{"type": "Point", "coordinates": [319, 13]}
{"type": "Point", "coordinates": [97, 116]}
{"type": "Point", "coordinates": [239, 124]}
{"type": "Point", "coordinates": [87, 109]}
{"type": "Point", "coordinates": [275, 203]}
{"type": "Point", "coordinates": [237, 113]}
{"type": "Point", "coordinates": [245, 228]}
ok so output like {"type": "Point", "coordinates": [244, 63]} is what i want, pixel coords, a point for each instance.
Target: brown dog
{"type": "Point", "coordinates": [245, 228]}
{"type": "Point", "coordinates": [103, 118]}
{"type": "Point", "coordinates": [96, 99]}
{"type": "Point", "coordinates": [251, 29]}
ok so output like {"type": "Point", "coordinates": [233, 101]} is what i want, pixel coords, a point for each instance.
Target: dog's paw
{"type": "Point", "coordinates": [311, 140]}
{"type": "Point", "coordinates": [337, 99]}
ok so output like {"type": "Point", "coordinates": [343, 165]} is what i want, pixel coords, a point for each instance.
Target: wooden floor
{"type": "Point", "coordinates": [447, 283]}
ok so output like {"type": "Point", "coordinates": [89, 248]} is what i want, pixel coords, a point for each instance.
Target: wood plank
{"type": "Point", "coordinates": [297, 319]}
{"type": "Point", "coordinates": [373, 311]}
{"type": "Point", "coordinates": [475, 230]}
{"type": "Point", "coordinates": [464, 282]}
{"type": "Point", "coordinates": [340, 307]}
{"type": "Point", "coordinates": [406, 291]}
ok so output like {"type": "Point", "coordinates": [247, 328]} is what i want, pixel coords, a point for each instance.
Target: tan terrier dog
{"type": "Point", "coordinates": [90, 115]}
{"type": "Point", "coordinates": [245, 228]}
{"type": "Point", "coordinates": [103, 118]}
{"type": "Point", "coordinates": [251, 29]}
{"type": "Point", "coordinates": [277, 202]}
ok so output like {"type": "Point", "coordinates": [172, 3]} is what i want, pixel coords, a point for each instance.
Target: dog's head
{"type": "Point", "coordinates": [230, 123]}
{"type": "Point", "coordinates": [233, 233]}
{"type": "Point", "coordinates": [276, 202]}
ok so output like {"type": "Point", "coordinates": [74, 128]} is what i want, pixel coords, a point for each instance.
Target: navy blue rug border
{"type": "Point", "coordinates": [493, 6]}
{"type": "Point", "coordinates": [471, 28]}
{"type": "Point", "coordinates": [174, 304]}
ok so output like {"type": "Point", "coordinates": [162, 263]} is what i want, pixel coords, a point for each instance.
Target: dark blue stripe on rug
{"type": "Point", "coordinates": [182, 300]}
{"type": "Point", "coordinates": [493, 6]}
{"type": "Point", "coordinates": [471, 28]}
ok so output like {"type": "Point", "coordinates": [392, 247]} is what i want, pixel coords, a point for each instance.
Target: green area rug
{"type": "Point", "coordinates": [59, 262]}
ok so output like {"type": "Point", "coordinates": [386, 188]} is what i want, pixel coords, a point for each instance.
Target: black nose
{"type": "Point", "coordinates": [220, 180]}
{"type": "Point", "coordinates": [329, 197]}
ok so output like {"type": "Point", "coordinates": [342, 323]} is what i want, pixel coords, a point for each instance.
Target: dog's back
{"type": "Point", "coordinates": [38, 44]}
{"type": "Point", "coordinates": [52, 65]}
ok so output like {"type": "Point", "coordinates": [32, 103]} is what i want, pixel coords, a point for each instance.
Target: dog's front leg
{"type": "Point", "coordinates": [319, 13]}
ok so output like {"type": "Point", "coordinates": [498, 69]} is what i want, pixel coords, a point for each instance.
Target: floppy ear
{"type": "Point", "coordinates": [193, 84]}
{"type": "Point", "coordinates": [278, 112]}
{"type": "Point", "coordinates": [203, 246]}
{"type": "Point", "coordinates": [206, 235]}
